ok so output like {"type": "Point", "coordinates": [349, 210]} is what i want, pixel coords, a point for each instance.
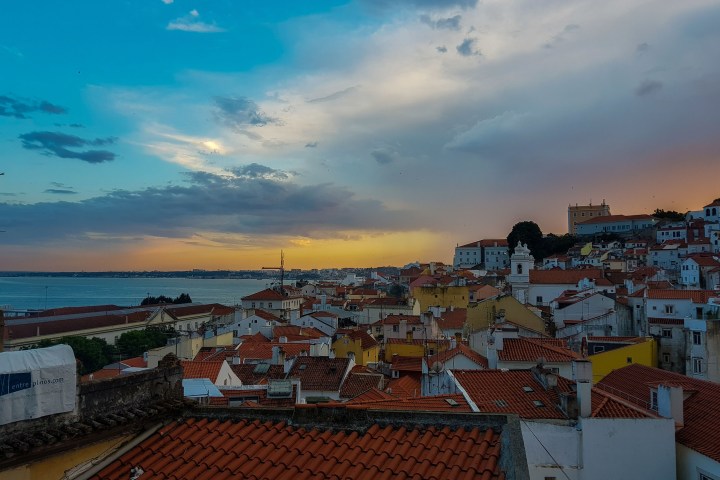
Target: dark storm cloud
{"type": "Point", "coordinates": [648, 87]}
{"type": "Point", "coordinates": [20, 108]}
{"type": "Point", "coordinates": [452, 23]}
{"type": "Point", "coordinates": [60, 191]}
{"type": "Point", "coordinates": [467, 48]}
{"type": "Point", "coordinates": [255, 202]}
{"type": "Point", "coordinates": [382, 157]}
{"type": "Point", "coordinates": [59, 144]}
{"type": "Point", "coordinates": [240, 113]}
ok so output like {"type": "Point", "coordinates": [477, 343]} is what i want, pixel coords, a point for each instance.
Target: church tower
{"type": "Point", "coordinates": [521, 262]}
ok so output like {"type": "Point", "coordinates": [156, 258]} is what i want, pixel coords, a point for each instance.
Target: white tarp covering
{"type": "Point", "coordinates": [35, 383]}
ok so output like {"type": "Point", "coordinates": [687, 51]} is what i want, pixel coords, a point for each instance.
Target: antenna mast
{"type": "Point", "coordinates": [282, 272]}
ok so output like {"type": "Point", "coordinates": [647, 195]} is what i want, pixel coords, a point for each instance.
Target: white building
{"type": "Point", "coordinates": [615, 224]}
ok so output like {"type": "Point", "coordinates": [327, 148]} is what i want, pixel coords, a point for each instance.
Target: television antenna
{"type": "Point", "coordinates": [282, 271]}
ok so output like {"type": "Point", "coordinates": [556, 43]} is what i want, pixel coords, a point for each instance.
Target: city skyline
{"type": "Point", "coordinates": [171, 135]}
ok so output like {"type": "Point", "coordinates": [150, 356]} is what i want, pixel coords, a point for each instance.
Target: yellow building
{"type": "Point", "coordinates": [483, 314]}
{"type": "Point", "coordinates": [414, 348]}
{"type": "Point", "coordinates": [436, 295]}
{"type": "Point", "coordinates": [361, 344]}
{"type": "Point", "coordinates": [580, 213]}
{"type": "Point", "coordinates": [610, 353]}
{"type": "Point", "coordinates": [586, 249]}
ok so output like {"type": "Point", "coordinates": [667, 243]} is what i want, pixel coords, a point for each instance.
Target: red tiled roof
{"type": "Point", "coordinates": [267, 294]}
{"type": "Point", "coordinates": [615, 218]}
{"type": "Point", "coordinates": [697, 296]}
{"type": "Point", "coordinates": [396, 319]}
{"type": "Point", "coordinates": [249, 375]}
{"type": "Point", "coordinates": [183, 310]}
{"type": "Point", "coordinates": [437, 403]}
{"type": "Point", "coordinates": [367, 341]}
{"type": "Point", "coordinates": [715, 203]}
{"type": "Point", "coordinates": [319, 373]}
{"type": "Point", "coordinates": [503, 391]}
{"type": "Point", "coordinates": [72, 325]}
{"type": "Point", "coordinates": [404, 387]}
{"type": "Point", "coordinates": [607, 405]}
{"type": "Point", "coordinates": [701, 408]}
{"type": "Point", "coordinates": [616, 339]}
{"type": "Point", "coordinates": [459, 350]}
{"type": "Point", "coordinates": [452, 319]}
{"type": "Point", "coordinates": [265, 315]}
{"type": "Point", "coordinates": [563, 277]}
{"type": "Point", "coordinates": [492, 242]}
{"type": "Point", "coordinates": [201, 369]}
{"type": "Point", "coordinates": [406, 364]}
{"type": "Point", "coordinates": [295, 331]}
{"type": "Point", "coordinates": [532, 349]}
{"type": "Point", "coordinates": [373, 394]}
{"type": "Point", "coordinates": [666, 321]}
{"type": "Point", "coordinates": [358, 383]}
{"type": "Point", "coordinates": [54, 312]}
{"type": "Point", "coordinates": [263, 350]}
{"type": "Point", "coordinates": [214, 449]}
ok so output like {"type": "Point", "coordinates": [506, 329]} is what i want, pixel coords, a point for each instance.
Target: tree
{"type": "Point", "coordinates": [396, 291]}
{"type": "Point", "coordinates": [162, 299]}
{"type": "Point", "coordinates": [670, 215]}
{"type": "Point", "coordinates": [558, 244]}
{"type": "Point", "coordinates": [528, 233]}
{"type": "Point", "coordinates": [92, 353]}
{"type": "Point", "coordinates": [136, 342]}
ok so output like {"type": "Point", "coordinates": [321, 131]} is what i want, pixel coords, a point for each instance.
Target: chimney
{"type": "Point", "coordinates": [2, 331]}
{"type": "Point", "coordinates": [492, 354]}
{"type": "Point", "coordinates": [281, 357]}
{"type": "Point", "coordinates": [351, 356]}
{"type": "Point", "coordinates": [670, 400]}
{"type": "Point", "coordinates": [282, 339]}
{"type": "Point", "coordinates": [453, 343]}
{"type": "Point", "coordinates": [323, 301]}
{"type": "Point", "coordinates": [275, 355]}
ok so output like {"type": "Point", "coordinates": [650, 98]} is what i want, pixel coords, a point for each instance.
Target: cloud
{"type": "Point", "coordinates": [334, 96]}
{"type": "Point", "coordinates": [422, 4]}
{"type": "Point", "coordinates": [311, 145]}
{"type": "Point", "coordinates": [58, 144]}
{"type": "Point", "coordinates": [167, 2]}
{"type": "Point", "coordinates": [648, 87]}
{"type": "Point", "coordinates": [562, 35]}
{"type": "Point", "coordinates": [383, 157]}
{"type": "Point", "coordinates": [19, 108]}
{"type": "Point", "coordinates": [190, 23]}
{"type": "Point", "coordinates": [467, 48]}
{"type": "Point", "coordinates": [642, 48]}
{"type": "Point", "coordinates": [258, 201]}
{"type": "Point", "coordinates": [441, 49]}
{"type": "Point", "coordinates": [452, 23]}
{"type": "Point", "coordinates": [60, 191]}
{"type": "Point", "coordinates": [241, 112]}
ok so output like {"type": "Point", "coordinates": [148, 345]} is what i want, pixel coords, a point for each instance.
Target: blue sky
{"type": "Point", "coordinates": [210, 134]}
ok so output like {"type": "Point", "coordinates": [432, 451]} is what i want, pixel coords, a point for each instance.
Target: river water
{"type": "Point", "coordinates": [53, 292]}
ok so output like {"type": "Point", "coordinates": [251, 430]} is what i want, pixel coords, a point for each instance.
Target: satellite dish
{"type": "Point", "coordinates": [437, 367]}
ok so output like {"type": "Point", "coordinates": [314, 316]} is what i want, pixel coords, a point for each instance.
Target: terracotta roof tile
{"type": "Point", "coordinates": [201, 369]}
{"type": "Point", "coordinates": [280, 451]}
{"type": "Point", "coordinates": [461, 349]}
{"type": "Point", "coordinates": [437, 403]}
{"type": "Point", "coordinates": [697, 296]}
{"type": "Point", "coordinates": [258, 351]}
{"type": "Point", "coordinates": [250, 374]}
{"type": "Point", "coordinates": [295, 331]}
{"type": "Point", "coordinates": [404, 387]}
{"type": "Point", "coordinates": [701, 407]}
{"type": "Point", "coordinates": [532, 349]}
{"type": "Point", "coordinates": [319, 373]}
{"type": "Point", "coordinates": [358, 383]}
{"type": "Point", "coordinates": [512, 391]}
{"type": "Point", "coordinates": [452, 319]}
{"type": "Point", "coordinates": [563, 277]}
{"type": "Point", "coordinates": [406, 364]}
{"type": "Point", "coordinates": [267, 294]}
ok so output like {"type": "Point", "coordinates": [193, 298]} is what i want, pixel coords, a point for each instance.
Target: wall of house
{"type": "Point", "coordinates": [644, 353]}
{"type": "Point", "coordinates": [563, 369]}
{"type": "Point", "coordinates": [712, 344]}
{"type": "Point", "coordinates": [57, 466]}
{"type": "Point", "coordinates": [483, 314]}
{"type": "Point", "coordinates": [690, 464]}
{"type": "Point", "coordinates": [552, 451]}
{"type": "Point", "coordinates": [185, 349]}
{"type": "Point", "coordinates": [441, 296]}
{"type": "Point", "coordinates": [628, 448]}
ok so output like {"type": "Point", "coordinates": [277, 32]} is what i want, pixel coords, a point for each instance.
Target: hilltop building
{"type": "Point", "coordinates": [580, 213]}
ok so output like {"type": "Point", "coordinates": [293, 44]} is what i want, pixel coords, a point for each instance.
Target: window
{"type": "Point", "coordinates": [697, 338]}
{"type": "Point", "coordinates": [669, 309]}
{"type": "Point", "coordinates": [697, 365]}
{"type": "Point", "coordinates": [519, 269]}
{"type": "Point", "coordinates": [667, 333]}
{"type": "Point", "coordinates": [629, 360]}
{"type": "Point", "coordinates": [666, 358]}
{"type": "Point", "coordinates": [598, 348]}
{"type": "Point", "coordinates": [538, 300]}
{"type": "Point", "coordinates": [653, 400]}
{"type": "Point", "coordinates": [269, 304]}
{"type": "Point", "coordinates": [396, 328]}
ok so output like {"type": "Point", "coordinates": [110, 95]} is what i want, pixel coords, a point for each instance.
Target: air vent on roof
{"type": "Point", "coordinates": [527, 389]}
{"type": "Point", "coordinates": [303, 366]}
{"type": "Point", "coordinates": [538, 403]}
{"type": "Point", "coordinates": [452, 402]}
{"type": "Point", "coordinates": [279, 389]}
{"type": "Point", "coordinates": [501, 403]}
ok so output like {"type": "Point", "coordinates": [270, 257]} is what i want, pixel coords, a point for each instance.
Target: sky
{"type": "Point", "coordinates": [211, 134]}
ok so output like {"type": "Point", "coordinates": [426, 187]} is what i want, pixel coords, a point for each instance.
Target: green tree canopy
{"type": "Point", "coordinates": [162, 299]}
{"type": "Point", "coordinates": [135, 343]}
{"type": "Point", "coordinates": [671, 215]}
{"type": "Point", "coordinates": [529, 233]}
{"type": "Point", "coordinates": [93, 353]}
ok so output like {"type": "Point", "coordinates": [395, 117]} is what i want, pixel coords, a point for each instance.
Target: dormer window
{"type": "Point", "coordinates": [653, 399]}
